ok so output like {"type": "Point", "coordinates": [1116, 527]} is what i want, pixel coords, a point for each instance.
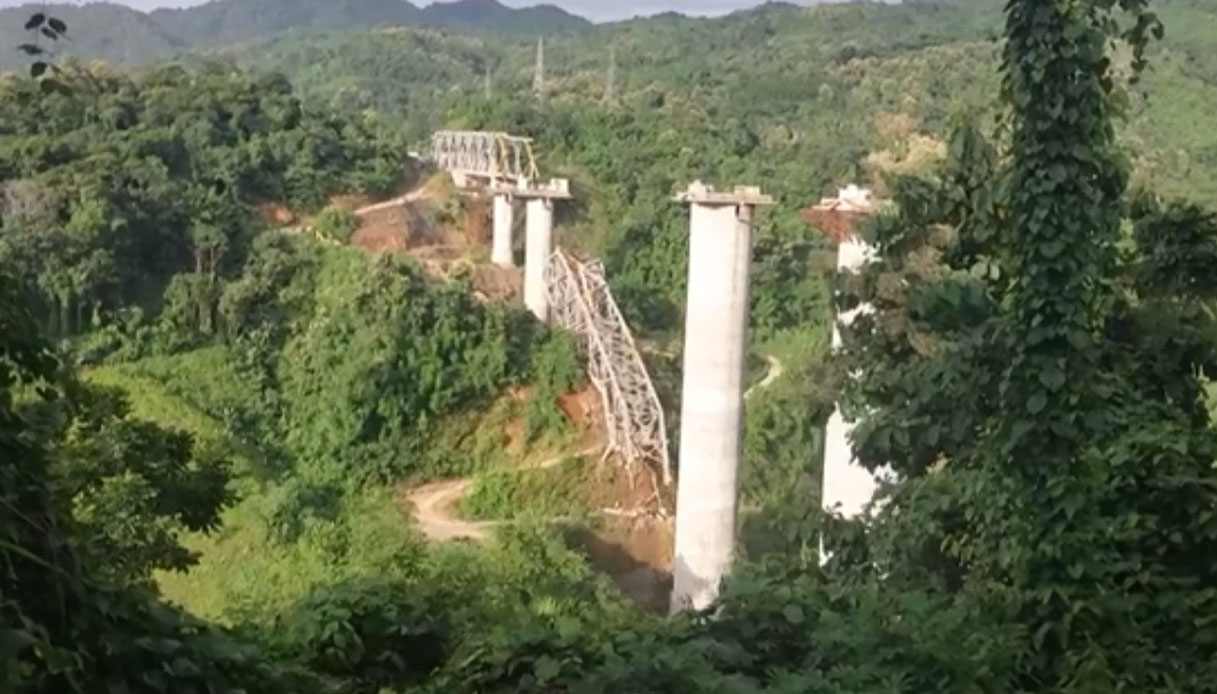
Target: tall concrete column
{"type": "Point", "coordinates": [847, 487]}
{"type": "Point", "coordinates": [537, 249]}
{"type": "Point", "coordinates": [504, 220]}
{"type": "Point", "coordinates": [716, 332]}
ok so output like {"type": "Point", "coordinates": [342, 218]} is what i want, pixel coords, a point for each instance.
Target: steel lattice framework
{"type": "Point", "coordinates": [491, 155]}
{"type": "Point", "coordinates": [581, 302]}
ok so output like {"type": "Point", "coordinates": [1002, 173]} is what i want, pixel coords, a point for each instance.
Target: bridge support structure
{"type": "Point", "coordinates": [847, 487]}
{"type": "Point", "coordinates": [540, 200]}
{"type": "Point", "coordinates": [501, 252]}
{"type": "Point", "coordinates": [716, 332]}
{"type": "Point", "coordinates": [538, 246]}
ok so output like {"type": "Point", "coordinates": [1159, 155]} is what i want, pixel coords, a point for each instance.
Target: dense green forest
{"type": "Point", "coordinates": [120, 35]}
{"type": "Point", "coordinates": [205, 420]}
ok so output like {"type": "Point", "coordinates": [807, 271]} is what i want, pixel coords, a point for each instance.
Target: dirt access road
{"type": "Point", "coordinates": [433, 504]}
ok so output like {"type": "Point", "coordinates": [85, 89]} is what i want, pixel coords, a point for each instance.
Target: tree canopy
{"type": "Point", "coordinates": [1034, 369]}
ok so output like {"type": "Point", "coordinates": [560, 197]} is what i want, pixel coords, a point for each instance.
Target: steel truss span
{"type": "Point", "coordinates": [581, 302]}
{"type": "Point", "coordinates": [491, 155]}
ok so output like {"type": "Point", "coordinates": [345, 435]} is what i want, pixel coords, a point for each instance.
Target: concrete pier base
{"type": "Point", "coordinates": [504, 221]}
{"type": "Point", "coordinates": [716, 331]}
{"type": "Point", "coordinates": [538, 247]}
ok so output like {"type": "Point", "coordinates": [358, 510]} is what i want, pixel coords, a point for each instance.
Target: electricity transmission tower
{"type": "Point", "coordinates": [610, 87]}
{"type": "Point", "coordinates": [538, 78]}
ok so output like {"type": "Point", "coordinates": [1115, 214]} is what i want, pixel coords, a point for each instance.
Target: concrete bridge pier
{"type": "Point", "coordinates": [538, 247]}
{"type": "Point", "coordinates": [716, 336]}
{"type": "Point", "coordinates": [504, 221]}
{"type": "Point", "coordinates": [540, 200]}
{"type": "Point", "coordinates": [848, 486]}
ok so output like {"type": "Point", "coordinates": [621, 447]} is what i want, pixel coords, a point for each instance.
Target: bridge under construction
{"type": "Point", "coordinates": [572, 292]}
{"type": "Point", "coordinates": [560, 287]}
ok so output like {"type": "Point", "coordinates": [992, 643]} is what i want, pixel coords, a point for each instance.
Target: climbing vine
{"type": "Point", "coordinates": [1052, 469]}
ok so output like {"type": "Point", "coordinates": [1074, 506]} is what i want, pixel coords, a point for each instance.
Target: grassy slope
{"type": "Point", "coordinates": [1175, 121]}
{"type": "Point", "coordinates": [545, 493]}
{"type": "Point", "coordinates": [244, 575]}
{"type": "Point", "coordinates": [242, 572]}
{"type": "Point", "coordinates": [150, 400]}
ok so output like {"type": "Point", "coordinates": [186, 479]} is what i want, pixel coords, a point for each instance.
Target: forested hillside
{"type": "Point", "coordinates": [120, 35]}
{"type": "Point", "coordinates": [213, 407]}
{"type": "Point", "coordinates": [830, 84]}
{"type": "Point", "coordinates": [228, 405]}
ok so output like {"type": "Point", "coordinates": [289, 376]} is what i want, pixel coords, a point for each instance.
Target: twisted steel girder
{"type": "Point", "coordinates": [580, 301]}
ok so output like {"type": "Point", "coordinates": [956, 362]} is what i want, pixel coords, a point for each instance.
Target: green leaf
{"type": "Point", "coordinates": [793, 614]}
{"type": "Point", "coordinates": [13, 641]}
{"type": "Point", "coordinates": [58, 25]}
{"type": "Point", "coordinates": [37, 69]}
{"type": "Point", "coordinates": [1052, 378]}
{"type": "Point", "coordinates": [35, 21]}
{"type": "Point", "coordinates": [1041, 634]}
{"type": "Point", "coordinates": [1036, 403]}
{"type": "Point", "coordinates": [546, 669]}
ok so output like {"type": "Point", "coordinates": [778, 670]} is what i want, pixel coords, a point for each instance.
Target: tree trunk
{"type": "Point", "coordinates": [64, 311]}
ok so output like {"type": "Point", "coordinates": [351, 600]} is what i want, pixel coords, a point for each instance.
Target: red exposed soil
{"type": "Point", "coordinates": [383, 231]}
{"type": "Point", "coordinates": [276, 215]}
{"type": "Point", "coordinates": [403, 226]}
{"type": "Point", "coordinates": [629, 491]}
{"type": "Point", "coordinates": [582, 408]}
{"type": "Point", "coordinates": [839, 225]}
{"type": "Point", "coordinates": [477, 222]}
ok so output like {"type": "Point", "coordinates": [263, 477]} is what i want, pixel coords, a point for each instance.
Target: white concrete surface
{"type": "Point", "coordinates": [539, 227]}
{"type": "Point", "coordinates": [504, 221]}
{"type": "Point", "coordinates": [716, 329]}
{"type": "Point", "coordinates": [848, 487]}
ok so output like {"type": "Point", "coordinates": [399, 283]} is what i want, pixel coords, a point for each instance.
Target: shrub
{"type": "Point", "coordinates": [336, 224]}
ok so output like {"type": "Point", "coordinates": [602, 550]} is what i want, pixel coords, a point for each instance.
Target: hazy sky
{"type": "Point", "coordinates": [593, 9]}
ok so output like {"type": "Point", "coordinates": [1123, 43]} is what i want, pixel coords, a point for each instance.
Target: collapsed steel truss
{"type": "Point", "coordinates": [581, 302]}
{"type": "Point", "coordinates": [491, 155]}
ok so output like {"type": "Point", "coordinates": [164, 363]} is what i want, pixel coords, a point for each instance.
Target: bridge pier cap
{"type": "Point", "coordinates": [716, 335]}
{"type": "Point", "coordinates": [741, 196]}
{"type": "Point", "coordinates": [528, 189]}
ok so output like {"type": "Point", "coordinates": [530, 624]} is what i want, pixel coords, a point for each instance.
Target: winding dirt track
{"type": "Point", "coordinates": [433, 504]}
{"type": "Point", "coordinates": [774, 373]}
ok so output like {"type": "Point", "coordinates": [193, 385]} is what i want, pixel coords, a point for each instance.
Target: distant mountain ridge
{"type": "Point", "coordinates": [119, 34]}
{"type": "Point", "coordinates": [478, 14]}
